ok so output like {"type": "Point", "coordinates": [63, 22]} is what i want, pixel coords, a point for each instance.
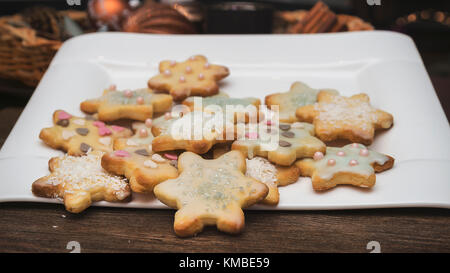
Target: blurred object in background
{"type": "Point", "coordinates": [191, 9]}
{"type": "Point", "coordinates": [30, 39]}
{"type": "Point", "coordinates": [158, 18]}
{"type": "Point", "coordinates": [319, 19]}
{"type": "Point", "coordinates": [238, 18]}
{"type": "Point", "coordinates": [108, 14]}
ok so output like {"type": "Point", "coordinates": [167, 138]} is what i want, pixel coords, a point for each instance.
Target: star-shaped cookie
{"type": "Point", "coordinates": [133, 157]}
{"type": "Point", "coordinates": [294, 141]}
{"type": "Point", "coordinates": [193, 77]}
{"type": "Point", "coordinates": [77, 136]}
{"type": "Point", "coordinates": [210, 192]}
{"type": "Point", "coordinates": [137, 104]}
{"type": "Point", "coordinates": [300, 94]}
{"type": "Point", "coordinates": [352, 164]}
{"type": "Point", "coordinates": [79, 181]}
{"type": "Point", "coordinates": [238, 106]}
{"type": "Point", "coordinates": [261, 169]}
{"type": "Point", "coordinates": [195, 131]}
{"type": "Point", "coordinates": [351, 118]}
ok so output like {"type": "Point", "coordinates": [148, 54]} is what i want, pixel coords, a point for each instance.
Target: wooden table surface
{"type": "Point", "coordinates": [34, 227]}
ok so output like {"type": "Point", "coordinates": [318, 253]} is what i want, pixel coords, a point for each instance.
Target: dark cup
{"type": "Point", "coordinates": [238, 18]}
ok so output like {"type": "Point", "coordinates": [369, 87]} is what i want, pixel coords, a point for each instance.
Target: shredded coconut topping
{"type": "Point", "coordinates": [262, 170]}
{"type": "Point", "coordinates": [85, 173]}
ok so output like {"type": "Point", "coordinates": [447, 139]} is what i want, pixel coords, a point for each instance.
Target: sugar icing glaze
{"type": "Point", "coordinates": [351, 161]}
{"type": "Point", "coordinates": [139, 96]}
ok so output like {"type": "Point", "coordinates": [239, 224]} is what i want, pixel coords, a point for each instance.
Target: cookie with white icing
{"type": "Point", "coordinates": [79, 181]}
{"type": "Point", "coordinates": [195, 131]}
{"type": "Point", "coordinates": [300, 94]}
{"type": "Point", "coordinates": [134, 158]}
{"type": "Point", "coordinates": [193, 77]}
{"type": "Point", "coordinates": [137, 104]}
{"type": "Point", "coordinates": [210, 192]}
{"type": "Point", "coordinates": [77, 136]}
{"type": "Point", "coordinates": [352, 164]}
{"type": "Point", "coordinates": [350, 118]}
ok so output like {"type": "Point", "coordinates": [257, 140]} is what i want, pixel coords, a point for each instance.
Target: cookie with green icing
{"type": "Point", "coordinates": [292, 142]}
{"type": "Point", "coordinates": [240, 107]}
{"type": "Point", "coordinates": [210, 192]}
{"type": "Point", "coordinates": [77, 136]}
{"type": "Point", "coordinates": [300, 94]}
{"type": "Point", "coordinates": [138, 104]}
{"type": "Point", "coordinates": [134, 158]}
{"type": "Point", "coordinates": [352, 164]}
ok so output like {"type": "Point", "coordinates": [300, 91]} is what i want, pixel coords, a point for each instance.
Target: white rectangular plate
{"type": "Point", "coordinates": [384, 65]}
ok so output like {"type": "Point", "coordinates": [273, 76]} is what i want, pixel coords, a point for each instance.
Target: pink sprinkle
{"type": "Point", "coordinates": [98, 124]}
{"type": "Point", "coordinates": [341, 153]}
{"type": "Point", "coordinates": [168, 115]}
{"type": "Point", "coordinates": [188, 69]}
{"type": "Point", "coordinates": [104, 131]}
{"type": "Point", "coordinates": [167, 72]}
{"type": "Point", "coordinates": [173, 63]}
{"type": "Point", "coordinates": [364, 152]}
{"type": "Point", "coordinates": [140, 100]}
{"type": "Point", "coordinates": [128, 93]}
{"type": "Point", "coordinates": [121, 153]}
{"type": "Point", "coordinates": [148, 122]}
{"type": "Point", "coordinates": [318, 156]}
{"type": "Point", "coordinates": [112, 87]}
{"type": "Point", "coordinates": [355, 145]}
{"type": "Point", "coordinates": [207, 65]}
{"type": "Point", "coordinates": [331, 162]}
{"type": "Point", "coordinates": [143, 132]}
{"type": "Point", "coordinates": [201, 76]}
{"type": "Point", "coordinates": [182, 79]}
{"type": "Point", "coordinates": [171, 156]}
{"type": "Point", "coordinates": [353, 162]}
{"type": "Point", "coordinates": [117, 128]}
{"type": "Point", "coordinates": [269, 122]}
{"type": "Point", "coordinates": [251, 135]}
{"type": "Point", "coordinates": [64, 115]}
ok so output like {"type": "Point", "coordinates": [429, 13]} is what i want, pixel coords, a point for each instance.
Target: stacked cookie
{"type": "Point", "coordinates": [207, 165]}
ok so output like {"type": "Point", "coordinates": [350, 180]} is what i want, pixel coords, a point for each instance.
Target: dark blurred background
{"type": "Point", "coordinates": [427, 22]}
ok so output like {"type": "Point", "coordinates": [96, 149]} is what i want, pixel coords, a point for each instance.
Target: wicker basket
{"type": "Point", "coordinates": [24, 56]}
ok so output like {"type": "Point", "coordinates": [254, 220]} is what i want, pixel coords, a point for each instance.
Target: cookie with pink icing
{"type": "Point", "coordinates": [137, 104]}
{"type": "Point", "coordinates": [352, 164]}
{"type": "Point", "coordinates": [134, 158]}
{"type": "Point", "coordinates": [350, 118]}
{"type": "Point", "coordinates": [79, 181]}
{"type": "Point", "coordinates": [193, 77]}
{"type": "Point", "coordinates": [77, 136]}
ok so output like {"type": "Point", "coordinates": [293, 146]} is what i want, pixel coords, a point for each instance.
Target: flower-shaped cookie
{"type": "Point", "coordinates": [351, 118]}
{"type": "Point", "coordinates": [352, 164]}
{"type": "Point", "coordinates": [300, 94]}
{"type": "Point", "coordinates": [79, 181]}
{"type": "Point", "coordinates": [193, 77]}
{"type": "Point", "coordinates": [133, 157]}
{"type": "Point", "coordinates": [77, 136]}
{"type": "Point", "coordinates": [138, 104]}
{"type": "Point", "coordinates": [210, 192]}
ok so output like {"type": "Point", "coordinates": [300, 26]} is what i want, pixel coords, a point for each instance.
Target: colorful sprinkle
{"type": "Point", "coordinates": [201, 76]}
{"type": "Point", "coordinates": [173, 63]}
{"type": "Point", "coordinates": [318, 156]}
{"type": "Point", "coordinates": [128, 93]}
{"type": "Point", "coordinates": [150, 164]}
{"type": "Point", "coordinates": [251, 135]}
{"type": "Point", "coordinates": [143, 132]}
{"type": "Point", "coordinates": [140, 100]}
{"type": "Point", "coordinates": [98, 124]}
{"type": "Point", "coordinates": [353, 162]}
{"type": "Point", "coordinates": [331, 162]}
{"type": "Point", "coordinates": [341, 153]}
{"type": "Point", "coordinates": [148, 122]}
{"type": "Point", "coordinates": [206, 65]}
{"type": "Point", "coordinates": [171, 156]}
{"type": "Point", "coordinates": [188, 69]}
{"type": "Point", "coordinates": [117, 128]}
{"type": "Point", "coordinates": [182, 79]}
{"type": "Point", "coordinates": [104, 131]}
{"type": "Point", "coordinates": [112, 87]}
{"type": "Point", "coordinates": [364, 152]}
{"type": "Point", "coordinates": [158, 158]}
{"type": "Point", "coordinates": [121, 153]}
{"type": "Point", "coordinates": [105, 141]}
{"type": "Point", "coordinates": [167, 73]}
{"type": "Point", "coordinates": [64, 115]}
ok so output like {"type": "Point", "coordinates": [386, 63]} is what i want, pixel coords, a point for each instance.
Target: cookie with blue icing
{"type": "Point", "coordinates": [352, 164]}
{"type": "Point", "coordinates": [138, 104]}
